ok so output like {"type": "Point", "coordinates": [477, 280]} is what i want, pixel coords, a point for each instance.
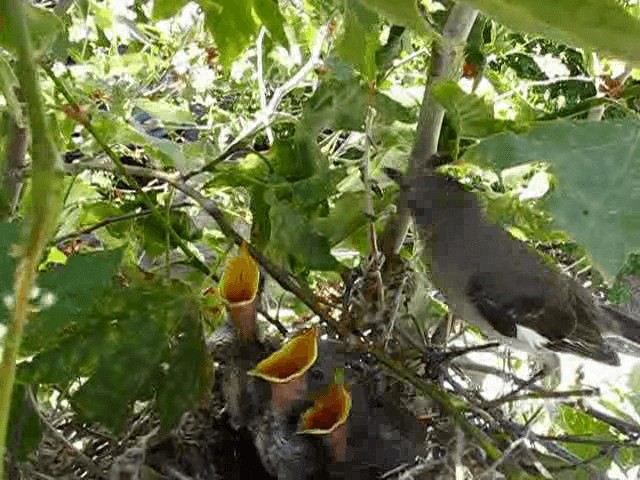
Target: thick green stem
{"type": "Point", "coordinates": [46, 183]}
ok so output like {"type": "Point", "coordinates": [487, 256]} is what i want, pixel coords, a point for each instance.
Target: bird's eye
{"type": "Point", "coordinates": [316, 374]}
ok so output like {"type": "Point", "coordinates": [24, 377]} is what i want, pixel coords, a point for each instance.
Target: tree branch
{"type": "Point", "coordinates": [445, 65]}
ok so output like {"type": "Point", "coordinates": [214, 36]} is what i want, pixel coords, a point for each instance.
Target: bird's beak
{"type": "Point", "coordinates": [328, 416]}
{"type": "Point", "coordinates": [286, 369]}
{"type": "Point", "coordinates": [239, 288]}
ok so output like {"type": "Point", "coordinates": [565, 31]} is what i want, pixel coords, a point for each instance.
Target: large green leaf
{"type": "Point", "coordinates": [44, 26]}
{"type": "Point", "coordinates": [359, 39]}
{"type": "Point", "coordinates": [163, 9]}
{"type": "Point", "coordinates": [597, 165]}
{"type": "Point", "coordinates": [602, 25]}
{"type": "Point", "coordinates": [189, 375]}
{"type": "Point", "coordinates": [67, 295]}
{"type": "Point", "coordinates": [268, 11]}
{"type": "Point", "coordinates": [232, 25]}
{"type": "Point", "coordinates": [400, 12]}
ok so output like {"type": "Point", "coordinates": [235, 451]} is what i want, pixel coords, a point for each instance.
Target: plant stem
{"type": "Point", "coordinates": [46, 187]}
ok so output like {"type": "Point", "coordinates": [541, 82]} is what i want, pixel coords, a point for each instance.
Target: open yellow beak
{"type": "Point", "coordinates": [292, 360]}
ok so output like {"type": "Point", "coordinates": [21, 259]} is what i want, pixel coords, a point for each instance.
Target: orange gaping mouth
{"type": "Point", "coordinates": [240, 278]}
{"type": "Point", "coordinates": [292, 360]}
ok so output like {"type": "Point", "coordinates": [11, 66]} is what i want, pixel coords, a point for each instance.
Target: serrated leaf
{"type": "Point", "coordinates": [603, 25]}
{"type": "Point", "coordinates": [189, 375]}
{"type": "Point", "coordinates": [268, 11]}
{"type": "Point", "coordinates": [67, 294]}
{"type": "Point", "coordinates": [133, 351]}
{"type": "Point", "coordinates": [163, 9]}
{"type": "Point", "coordinates": [25, 428]}
{"type": "Point", "coordinates": [142, 324]}
{"type": "Point", "coordinates": [43, 25]}
{"type": "Point", "coordinates": [468, 114]}
{"type": "Point", "coordinates": [400, 12]}
{"type": "Point", "coordinates": [292, 233]}
{"type": "Point", "coordinates": [8, 239]}
{"type": "Point", "coordinates": [232, 25]}
{"type": "Point", "coordinates": [597, 165]}
{"type": "Point", "coordinates": [359, 39]}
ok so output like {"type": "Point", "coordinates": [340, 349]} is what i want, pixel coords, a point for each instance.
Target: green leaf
{"type": "Point", "coordinates": [359, 39]}
{"type": "Point", "coordinates": [25, 429]}
{"type": "Point", "coordinates": [336, 104]}
{"type": "Point", "coordinates": [165, 111]}
{"type": "Point", "coordinates": [142, 326]}
{"type": "Point", "coordinates": [597, 165]}
{"type": "Point", "coordinates": [163, 9]}
{"type": "Point", "coordinates": [190, 373]}
{"type": "Point", "coordinates": [346, 217]}
{"type": "Point", "coordinates": [603, 25]}
{"type": "Point", "coordinates": [468, 114]}
{"type": "Point", "coordinates": [292, 233]}
{"type": "Point", "coordinates": [71, 290]}
{"type": "Point", "coordinates": [232, 26]}
{"type": "Point", "coordinates": [44, 26]}
{"type": "Point", "coordinates": [268, 11]}
{"type": "Point", "coordinates": [133, 350]}
{"type": "Point", "coordinates": [400, 12]}
{"type": "Point", "coordinates": [116, 130]}
{"type": "Point", "coordinates": [8, 239]}
{"type": "Point", "coordinates": [576, 422]}
{"type": "Point", "coordinates": [295, 158]}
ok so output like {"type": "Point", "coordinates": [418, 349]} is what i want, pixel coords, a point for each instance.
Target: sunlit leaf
{"type": "Point", "coordinates": [43, 25]}
{"type": "Point", "coordinates": [359, 39]}
{"type": "Point", "coordinates": [232, 25]}
{"type": "Point", "coordinates": [602, 25]}
{"type": "Point", "coordinates": [163, 9]}
{"type": "Point", "coordinates": [597, 165]}
{"type": "Point", "coordinates": [268, 12]}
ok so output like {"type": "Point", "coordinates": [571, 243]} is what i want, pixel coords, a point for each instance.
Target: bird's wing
{"type": "Point", "coordinates": [510, 301]}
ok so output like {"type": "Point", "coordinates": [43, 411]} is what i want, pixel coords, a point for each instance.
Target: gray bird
{"type": "Point", "coordinates": [497, 283]}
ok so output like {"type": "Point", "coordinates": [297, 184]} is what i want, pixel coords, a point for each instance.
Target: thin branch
{"type": "Point", "coordinates": [515, 397]}
{"type": "Point", "coordinates": [445, 64]}
{"type": "Point", "coordinates": [263, 117]}
{"type": "Point", "coordinates": [590, 440]}
{"type": "Point", "coordinates": [113, 219]}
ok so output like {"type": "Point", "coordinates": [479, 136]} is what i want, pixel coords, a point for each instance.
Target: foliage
{"type": "Point", "coordinates": [283, 114]}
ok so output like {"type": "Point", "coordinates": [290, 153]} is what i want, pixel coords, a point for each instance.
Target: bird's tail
{"type": "Point", "coordinates": [625, 326]}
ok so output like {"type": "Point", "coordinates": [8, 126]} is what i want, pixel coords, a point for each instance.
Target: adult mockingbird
{"type": "Point", "coordinates": [497, 283]}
